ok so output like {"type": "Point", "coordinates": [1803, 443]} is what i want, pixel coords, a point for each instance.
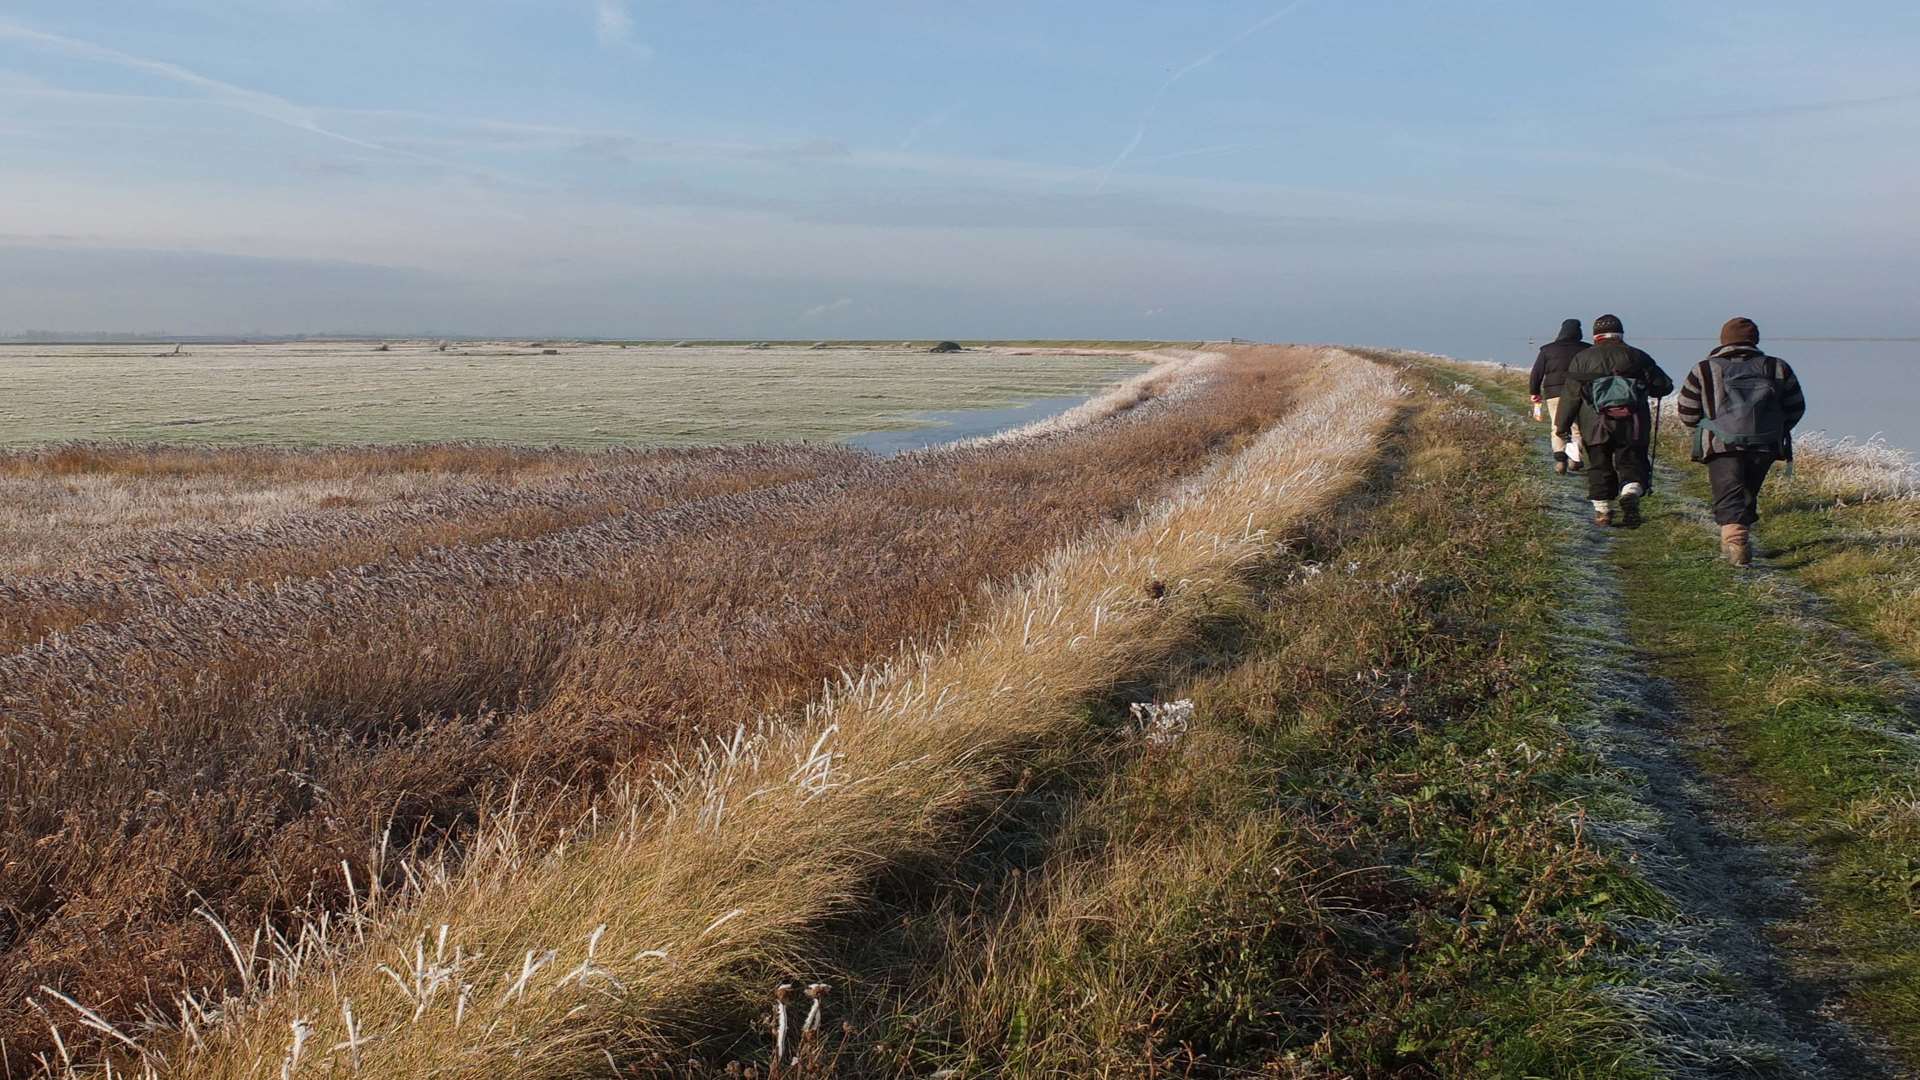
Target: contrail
{"type": "Point", "coordinates": [260, 104]}
{"type": "Point", "coordinates": [1153, 104]}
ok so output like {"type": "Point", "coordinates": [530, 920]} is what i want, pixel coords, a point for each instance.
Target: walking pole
{"type": "Point", "coordinates": [1653, 448]}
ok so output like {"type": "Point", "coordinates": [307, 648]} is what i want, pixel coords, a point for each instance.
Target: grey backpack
{"type": "Point", "coordinates": [1747, 413]}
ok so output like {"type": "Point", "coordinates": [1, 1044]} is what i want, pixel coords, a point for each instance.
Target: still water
{"type": "Point", "coordinates": [1855, 389]}
{"type": "Point", "coordinates": [940, 428]}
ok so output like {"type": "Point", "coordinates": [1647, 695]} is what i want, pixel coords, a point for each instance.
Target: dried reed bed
{"type": "Point", "coordinates": [65, 508]}
{"type": "Point", "coordinates": [231, 751]}
{"type": "Point", "coordinates": [559, 961]}
{"type": "Point", "coordinates": [166, 566]}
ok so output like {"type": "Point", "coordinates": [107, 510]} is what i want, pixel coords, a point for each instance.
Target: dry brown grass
{"type": "Point", "coordinates": [231, 751]}
{"type": "Point", "coordinates": [68, 507]}
{"type": "Point", "coordinates": [166, 565]}
{"type": "Point", "coordinates": [552, 961]}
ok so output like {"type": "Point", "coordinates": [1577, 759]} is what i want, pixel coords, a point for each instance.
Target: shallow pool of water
{"type": "Point", "coordinates": [940, 428]}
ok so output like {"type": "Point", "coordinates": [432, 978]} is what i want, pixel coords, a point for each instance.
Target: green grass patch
{"type": "Point", "coordinates": [1364, 857]}
{"type": "Point", "coordinates": [1861, 553]}
{"type": "Point", "coordinates": [1805, 726]}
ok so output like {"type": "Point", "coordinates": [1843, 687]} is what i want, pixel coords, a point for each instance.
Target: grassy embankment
{"type": "Point", "coordinates": [1811, 730]}
{"type": "Point", "coordinates": [233, 750]}
{"type": "Point", "coordinates": [746, 849]}
{"type": "Point", "coordinates": [1363, 855]}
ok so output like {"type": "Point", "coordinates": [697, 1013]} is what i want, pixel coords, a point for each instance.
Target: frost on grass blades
{"type": "Point", "coordinates": [228, 747]}
{"type": "Point", "coordinates": [581, 395]}
{"type": "Point", "coordinates": [1857, 471]}
{"type": "Point", "coordinates": [742, 848]}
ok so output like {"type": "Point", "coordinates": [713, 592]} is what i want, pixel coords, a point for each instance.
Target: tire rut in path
{"type": "Point", "coordinates": [1733, 892]}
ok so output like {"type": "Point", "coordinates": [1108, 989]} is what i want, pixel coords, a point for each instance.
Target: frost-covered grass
{"type": "Point", "coordinates": [229, 745]}
{"type": "Point", "coordinates": [678, 893]}
{"type": "Point", "coordinates": [1821, 736]}
{"type": "Point", "coordinates": [1351, 854]}
{"type": "Point", "coordinates": [583, 396]}
{"type": "Point", "coordinates": [1848, 524]}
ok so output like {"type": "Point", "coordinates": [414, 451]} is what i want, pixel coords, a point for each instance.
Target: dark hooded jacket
{"type": "Point", "coordinates": [1611, 357]}
{"type": "Point", "coordinates": [1550, 367]}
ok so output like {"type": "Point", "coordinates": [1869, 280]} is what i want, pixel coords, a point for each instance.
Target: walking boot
{"type": "Point", "coordinates": [1630, 504]}
{"type": "Point", "coordinates": [1560, 464]}
{"type": "Point", "coordinates": [1602, 514]}
{"type": "Point", "coordinates": [1736, 543]}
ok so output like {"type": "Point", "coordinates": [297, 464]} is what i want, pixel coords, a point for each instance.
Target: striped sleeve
{"type": "Point", "coordinates": [1692, 401]}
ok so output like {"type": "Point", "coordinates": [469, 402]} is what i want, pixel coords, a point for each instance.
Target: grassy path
{"type": "Point", "coordinates": [1780, 747]}
{"type": "Point", "coordinates": [1419, 818]}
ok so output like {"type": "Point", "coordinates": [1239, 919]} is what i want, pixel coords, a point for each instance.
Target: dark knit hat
{"type": "Point", "coordinates": [1740, 330]}
{"type": "Point", "coordinates": [1609, 324]}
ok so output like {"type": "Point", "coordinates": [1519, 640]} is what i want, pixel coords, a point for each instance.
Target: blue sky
{"type": "Point", "coordinates": [1446, 174]}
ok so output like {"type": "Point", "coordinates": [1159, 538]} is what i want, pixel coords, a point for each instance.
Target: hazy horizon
{"type": "Point", "coordinates": [1391, 173]}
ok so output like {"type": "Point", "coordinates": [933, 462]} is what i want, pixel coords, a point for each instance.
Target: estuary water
{"type": "Point", "coordinates": [1856, 389]}
{"type": "Point", "coordinates": [940, 428]}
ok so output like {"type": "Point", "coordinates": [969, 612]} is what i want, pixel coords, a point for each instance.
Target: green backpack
{"type": "Point", "coordinates": [1616, 395]}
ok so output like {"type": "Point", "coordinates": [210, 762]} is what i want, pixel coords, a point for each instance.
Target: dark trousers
{"type": "Point", "coordinates": [1612, 465]}
{"type": "Point", "coordinates": [1736, 480]}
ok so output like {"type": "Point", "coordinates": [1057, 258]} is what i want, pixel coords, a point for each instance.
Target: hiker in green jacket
{"type": "Point", "coordinates": [1606, 395]}
{"type": "Point", "coordinates": [1742, 406]}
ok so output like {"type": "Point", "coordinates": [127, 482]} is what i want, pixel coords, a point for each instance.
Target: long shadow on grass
{"type": "Point", "coordinates": [901, 926]}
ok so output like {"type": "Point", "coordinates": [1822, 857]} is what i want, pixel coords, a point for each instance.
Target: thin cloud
{"type": "Point", "coordinates": [1205, 151]}
{"type": "Point", "coordinates": [613, 26]}
{"type": "Point", "coordinates": [1153, 104]}
{"type": "Point", "coordinates": [818, 310]}
{"type": "Point", "coordinates": [258, 103]}
{"type": "Point", "coordinates": [929, 124]}
{"type": "Point", "coordinates": [1768, 112]}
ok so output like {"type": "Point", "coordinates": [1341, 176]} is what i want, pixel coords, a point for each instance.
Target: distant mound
{"type": "Point", "coordinates": [947, 346]}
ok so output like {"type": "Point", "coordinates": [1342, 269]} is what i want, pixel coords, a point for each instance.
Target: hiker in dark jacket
{"type": "Point", "coordinates": [1549, 378]}
{"type": "Point", "coordinates": [1606, 395]}
{"type": "Point", "coordinates": [1742, 406]}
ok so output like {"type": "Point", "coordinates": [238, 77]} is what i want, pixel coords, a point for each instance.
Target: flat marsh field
{"type": "Point", "coordinates": [315, 393]}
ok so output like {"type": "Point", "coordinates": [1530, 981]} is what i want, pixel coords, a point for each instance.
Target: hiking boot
{"type": "Point", "coordinates": [1560, 468]}
{"type": "Point", "coordinates": [1576, 466]}
{"type": "Point", "coordinates": [1736, 543]}
{"type": "Point", "coordinates": [1603, 519]}
{"type": "Point", "coordinates": [1631, 505]}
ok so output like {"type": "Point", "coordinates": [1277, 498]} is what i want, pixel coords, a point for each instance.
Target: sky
{"type": "Point", "coordinates": [1450, 174]}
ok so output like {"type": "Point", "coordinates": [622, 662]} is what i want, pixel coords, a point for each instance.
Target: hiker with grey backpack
{"type": "Point", "coordinates": [1742, 406]}
{"type": "Point", "coordinates": [1607, 395]}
